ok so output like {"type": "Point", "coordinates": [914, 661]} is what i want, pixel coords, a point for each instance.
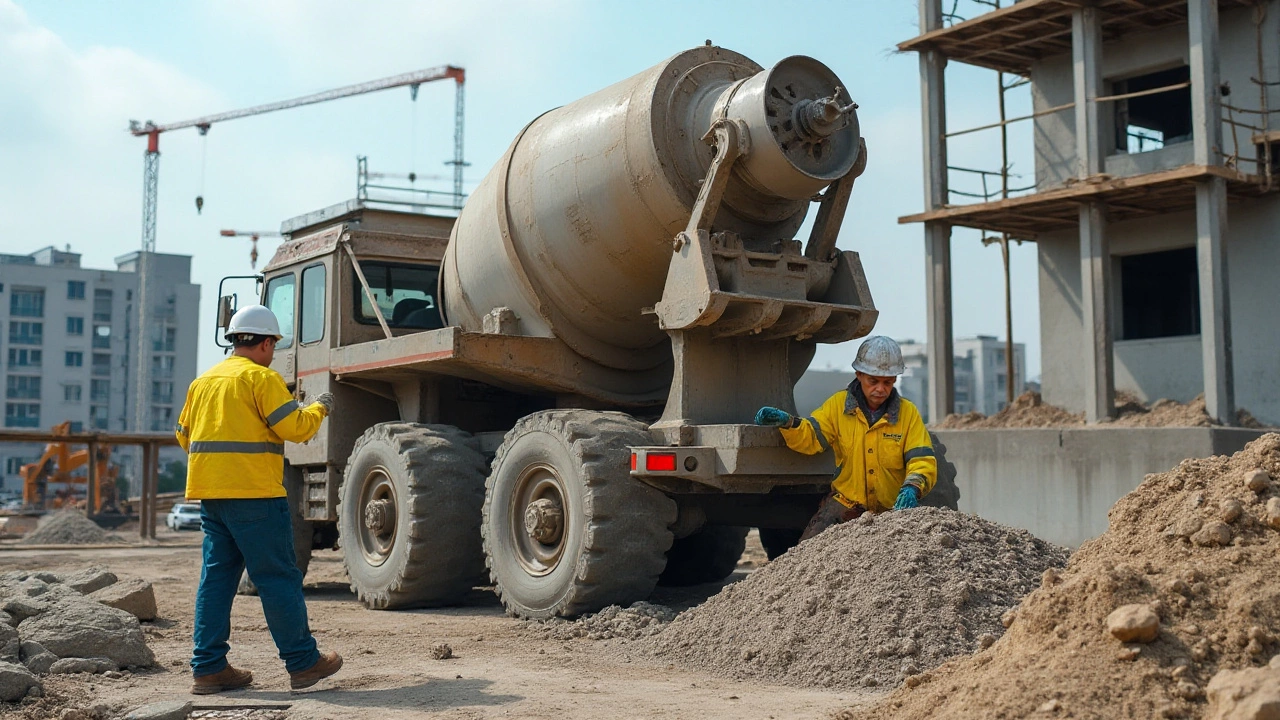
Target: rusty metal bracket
{"type": "Point", "coordinates": [731, 140]}
{"type": "Point", "coordinates": [831, 210]}
{"type": "Point", "coordinates": [368, 292]}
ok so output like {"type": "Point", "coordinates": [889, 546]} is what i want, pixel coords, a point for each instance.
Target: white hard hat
{"type": "Point", "coordinates": [879, 356]}
{"type": "Point", "coordinates": [254, 320]}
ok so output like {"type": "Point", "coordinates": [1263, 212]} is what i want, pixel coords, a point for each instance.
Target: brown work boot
{"type": "Point", "coordinates": [328, 664]}
{"type": "Point", "coordinates": [228, 678]}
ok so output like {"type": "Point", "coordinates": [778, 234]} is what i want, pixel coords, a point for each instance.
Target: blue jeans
{"type": "Point", "coordinates": [257, 535]}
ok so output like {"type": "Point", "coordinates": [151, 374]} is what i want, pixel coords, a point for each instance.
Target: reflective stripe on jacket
{"type": "Point", "coordinates": [233, 426]}
{"type": "Point", "coordinates": [872, 463]}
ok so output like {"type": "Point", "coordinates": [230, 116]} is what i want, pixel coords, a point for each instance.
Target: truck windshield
{"type": "Point", "coordinates": [406, 294]}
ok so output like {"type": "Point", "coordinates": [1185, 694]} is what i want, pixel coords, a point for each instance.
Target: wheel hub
{"type": "Point", "coordinates": [376, 535]}
{"type": "Point", "coordinates": [544, 520]}
{"type": "Point", "coordinates": [538, 521]}
{"type": "Point", "coordinates": [379, 515]}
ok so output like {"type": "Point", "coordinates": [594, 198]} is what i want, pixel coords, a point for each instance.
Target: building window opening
{"type": "Point", "coordinates": [1151, 122]}
{"type": "Point", "coordinates": [1159, 295]}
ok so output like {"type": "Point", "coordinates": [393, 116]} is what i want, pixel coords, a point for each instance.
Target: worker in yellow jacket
{"type": "Point", "coordinates": [884, 457]}
{"type": "Point", "coordinates": [237, 417]}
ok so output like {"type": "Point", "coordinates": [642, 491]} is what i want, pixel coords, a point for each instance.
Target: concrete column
{"type": "Point", "coordinates": [1211, 213]}
{"type": "Point", "coordinates": [1095, 252]}
{"type": "Point", "coordinates": [1206, 100]}
{"type": "Point", "coordinates": [933, 106]}
{"type": "Point", "coordinates": [1095, 309]}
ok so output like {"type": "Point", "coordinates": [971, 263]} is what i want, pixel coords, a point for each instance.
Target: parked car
{"type": "Point", "coordinates": [183, 517]}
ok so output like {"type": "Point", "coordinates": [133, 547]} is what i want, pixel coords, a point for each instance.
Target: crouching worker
{"type": "Point", "coordinates": [236, 420]}
{"type": "Point", "coordinates": [884, 457]}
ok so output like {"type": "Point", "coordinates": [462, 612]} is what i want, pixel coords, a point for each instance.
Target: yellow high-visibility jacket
{"type": "Point", "coordinates": [873, 461]}
{"type": "Point", "coordinates": [233, 427]}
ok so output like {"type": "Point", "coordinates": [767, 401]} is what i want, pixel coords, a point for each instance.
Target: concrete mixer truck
{"type": "Point", "coordinates": [553, 393]}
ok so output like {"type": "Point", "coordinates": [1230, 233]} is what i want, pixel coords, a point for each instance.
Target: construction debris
{"type": "Point", "coordinates": [1029, 410]}
{"type": "Point", "coordinates": [1218, 608]}
{"type": "Point", "coordinates": [870, 602]}
{"type": "Point", "coordinates": [50, 627]}
{"type": "Point", "coordinates": [68, 527]}
{"type": "Point", "coordinates": [640, 620]}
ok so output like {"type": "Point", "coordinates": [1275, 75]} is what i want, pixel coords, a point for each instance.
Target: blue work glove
{"type": "Point", "coordinates": [773, 417]}
{"type": "Point", "coordinates": [908, 498]}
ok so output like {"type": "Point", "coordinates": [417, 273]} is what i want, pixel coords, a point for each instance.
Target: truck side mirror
{"type": "Point", "coordinates": [226, 308]}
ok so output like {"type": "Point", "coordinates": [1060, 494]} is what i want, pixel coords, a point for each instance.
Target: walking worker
{"type": "Point", "coordinates": [884, 457]}
{"type": "Point", "coordinates": [236, 419]}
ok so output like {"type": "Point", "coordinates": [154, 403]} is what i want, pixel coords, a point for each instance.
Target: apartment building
{"type": "Point", "coordinates": [68, 351]}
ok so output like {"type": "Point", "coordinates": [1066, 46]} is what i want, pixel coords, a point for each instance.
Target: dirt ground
{"type": "Point", "coordinates": [500, 668]}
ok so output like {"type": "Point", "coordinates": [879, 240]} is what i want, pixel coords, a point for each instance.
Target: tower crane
{"type": "Point", "coordinates": [151, 179]}
{"type": "Point", "coordinates": [253, 237]}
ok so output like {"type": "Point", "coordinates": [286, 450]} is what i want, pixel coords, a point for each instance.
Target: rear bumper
{"type": "Point", "coordinates": [731, 459]}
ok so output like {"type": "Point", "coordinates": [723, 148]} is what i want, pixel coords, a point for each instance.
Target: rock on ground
{"type": "Point", "coordinates": [10, 645]}
{"type": "Point", "coordinates": [1250, 694]}
{"type": "Point", "coordinates": [135, 596]}
{"type": "Point", "coordinates": [15, 682]}
{"type": "Point", "coordinates": [1219, 609]}
{"type": "Point", "coordinates": [67, 666]}
{"type": "Point", "coordinates": [1134, 623]}
{"type": "Point", "coordinates": [168, 710]}
{"type": "Point", "coordinates": [90, 579]}
{"type": "Point", "coordinates": [89, 629]}
{"type": "Point", "coordinates": [870, 602]}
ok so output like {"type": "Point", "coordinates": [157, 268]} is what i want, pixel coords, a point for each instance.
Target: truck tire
{"type": "Point", "coordinates": [709, 555]}
{"type": "Point", "coordinates": [945, 493]}
{"type": "Point", "coordinates": [566, 529]}
{"type": "Point", "coordinates": [303, 531]}
{"type": "Point", "coordinates": [409, 515]}
{"type": "Point", "coordinates": [777, 541]}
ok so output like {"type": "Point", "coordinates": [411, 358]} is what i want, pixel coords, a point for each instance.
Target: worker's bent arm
{"type": "Point", "coordinates": [282, 413]}
{"type": "Point", "coordinates": [183, 429]}
{"type": "Point", "coordinates": [815, 433]}
{"type": "Point", "coordinates": [921, 461]}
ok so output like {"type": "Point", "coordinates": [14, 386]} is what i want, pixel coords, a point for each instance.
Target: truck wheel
{"type": "Point", "coordinates": [566, 529]}
{"type": "Point", "coordinates": [303, 531]}
{"type": "Point", "coordinates": [778, 541]}
{"type": "Point", "coordinates": [709, 555]}
{"type": "Point", "coordinates": [945, 493]}
{"type": "Point", "coordinates": [409, 515]}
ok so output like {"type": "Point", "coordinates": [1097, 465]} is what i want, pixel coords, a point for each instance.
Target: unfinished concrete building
{"type": "Point", "coordinates": [1153, 207]}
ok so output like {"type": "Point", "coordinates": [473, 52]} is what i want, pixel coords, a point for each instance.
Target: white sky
{"type": "Point", "coordinates": [74, 72]}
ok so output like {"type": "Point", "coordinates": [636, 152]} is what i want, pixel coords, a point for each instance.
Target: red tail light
{"type": "Point", "coordinates": [633, 461]}
{"type": "Point", "coordinates": [660, 462]}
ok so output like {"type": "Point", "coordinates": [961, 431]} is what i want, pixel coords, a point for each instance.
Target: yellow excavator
{"type": "Point", "coordinates": [56, 465]}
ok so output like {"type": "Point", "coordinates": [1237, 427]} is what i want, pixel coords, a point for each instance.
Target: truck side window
{"type": "Point", "coordinates": [311, 322]}
{"type": "Point", "coordinates": [406, 294]}
{"type": "Point", "coordinates": [280, 298]}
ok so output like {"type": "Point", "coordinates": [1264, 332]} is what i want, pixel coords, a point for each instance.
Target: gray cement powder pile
{"type": "Point", "coordinates": [867, 603]}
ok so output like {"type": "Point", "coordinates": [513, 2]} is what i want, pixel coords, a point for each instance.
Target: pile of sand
{"type": "Point", "coordinates": [866, 603]}
{"type": "Point", "coordinates": [1199, 548]}
{"type": "Point", "coordinates": [1029, 410]}
{"type": "Point", "coordinates": [640, 620]}
{"type": "Point", "coordinates": [68, 527]}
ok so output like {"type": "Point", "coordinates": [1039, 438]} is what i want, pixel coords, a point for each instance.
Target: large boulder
{"type": "Point", "coordinates": [89, 580]}
{"type": "Point", "coordinates": [135, 596]}
{"type": "Point", "coordinates": [84, 628]}
{"type": "Point", "coordinates": [16, 681]}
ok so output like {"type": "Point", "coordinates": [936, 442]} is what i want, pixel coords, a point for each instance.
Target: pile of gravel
{"type": "Point", "coordinates": [868, 603]}
{"type": "Point", "coordinates": [640, 620]}
{"type": "Point", "coordinates": [68, 527]}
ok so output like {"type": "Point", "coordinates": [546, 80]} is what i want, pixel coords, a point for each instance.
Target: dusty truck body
{"type": "Point", "coordinates": [554, 393]}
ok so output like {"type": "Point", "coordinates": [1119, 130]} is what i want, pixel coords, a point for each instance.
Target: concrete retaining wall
{"type": "Point", "coordinates": [1059, 484]}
